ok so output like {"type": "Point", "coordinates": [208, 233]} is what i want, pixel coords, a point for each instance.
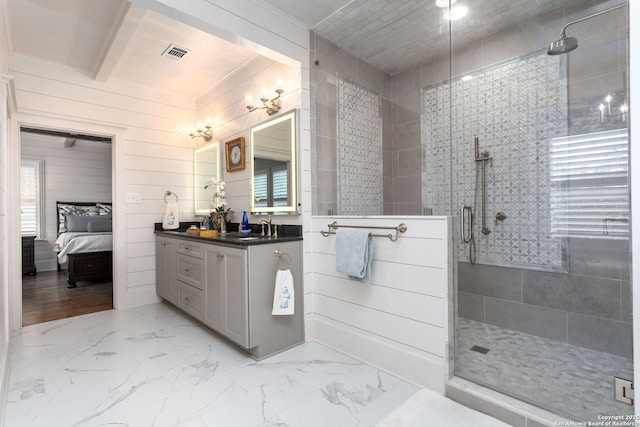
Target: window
{"type": "Point", "coordinates": [589, 188]}
{"type": "Point", "coordinates": [31, 197]}
{"type": "Point", "coordinates": [270, 185]}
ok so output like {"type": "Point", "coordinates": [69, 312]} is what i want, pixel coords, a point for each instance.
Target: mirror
{"type": "Point", "coordinates": [206, 164]}
{"type": "Point", "coordinates": [274, 166]}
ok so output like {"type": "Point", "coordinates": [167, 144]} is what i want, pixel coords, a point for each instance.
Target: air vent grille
{"type": "Point", "coordinates": [175, 52]}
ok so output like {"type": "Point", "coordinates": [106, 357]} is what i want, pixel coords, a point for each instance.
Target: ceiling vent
{"type": "Point", "coordinates": [175, 52]}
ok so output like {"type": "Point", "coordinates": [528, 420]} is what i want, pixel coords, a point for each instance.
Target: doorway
{"type": "Point", "coordinates": [59, 169]}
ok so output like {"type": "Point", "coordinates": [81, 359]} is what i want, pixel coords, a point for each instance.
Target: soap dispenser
{"type": "Point", "coordinates": [245, 222]}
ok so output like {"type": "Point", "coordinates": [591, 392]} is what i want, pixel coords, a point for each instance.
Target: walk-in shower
{"type": "Point", "coordinates": [543, 297]}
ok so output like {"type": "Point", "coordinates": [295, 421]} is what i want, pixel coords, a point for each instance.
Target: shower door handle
{"type": "Point", "coordinates": [466, 224]}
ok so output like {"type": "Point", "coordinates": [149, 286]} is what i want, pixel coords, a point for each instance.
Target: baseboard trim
{"type": "Point", "coordinates": [411, 365]}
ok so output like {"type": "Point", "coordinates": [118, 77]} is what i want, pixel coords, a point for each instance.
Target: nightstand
{"type": "Point", "coordinates": [28, 255]}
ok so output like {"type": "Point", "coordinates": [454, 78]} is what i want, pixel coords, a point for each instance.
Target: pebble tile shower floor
{"type": "Point", "coordinates": [572, 381]}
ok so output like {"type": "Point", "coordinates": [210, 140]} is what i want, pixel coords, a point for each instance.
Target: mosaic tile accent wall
{"type": "Point", "coordinates": [514, 108]}
{"type": "Point", "coordinates": [359, 150]}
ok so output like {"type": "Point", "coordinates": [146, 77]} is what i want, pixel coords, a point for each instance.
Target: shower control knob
{"type": "Point", "coordinates": [500, 216]}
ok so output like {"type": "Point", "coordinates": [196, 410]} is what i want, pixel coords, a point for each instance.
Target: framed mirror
{"type": "Point", "coordinates": [274, 166]}
{"type": "Point", "coordinates": [206, 164]}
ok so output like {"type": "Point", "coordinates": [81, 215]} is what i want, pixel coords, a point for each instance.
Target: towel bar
{"type": "Point", "coordinates": [401, 228]}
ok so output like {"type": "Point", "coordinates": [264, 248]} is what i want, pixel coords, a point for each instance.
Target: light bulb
{"type": "Point", "coordinates": [456, 13]}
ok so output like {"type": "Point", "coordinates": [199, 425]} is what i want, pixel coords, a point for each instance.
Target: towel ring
{"type": "Point", "coordinates": [169, 193]}
{"type": "Point", "coordinates": [278, 253]}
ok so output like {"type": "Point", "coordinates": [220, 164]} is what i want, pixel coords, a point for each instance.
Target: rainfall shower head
{"type": "Point", "coordinates": [563, 45]}
{"type": "Point", "coordinates": [566, 44]}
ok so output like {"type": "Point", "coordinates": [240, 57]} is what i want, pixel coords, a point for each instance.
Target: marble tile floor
{"type": "Point", "coordinates": [571, 381]}
{"type": "Point", "coordinates": [152, 366]}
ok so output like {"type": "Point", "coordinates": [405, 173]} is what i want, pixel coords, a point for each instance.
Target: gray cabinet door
{"type": "Point", "coordinates": [214, 288]}
{"type": "Point", "coordinates": [166, 269]}
{"type": "Point", "coordinates": [226, 292]}
{"type": "Point", "coordinates": [236, 299]}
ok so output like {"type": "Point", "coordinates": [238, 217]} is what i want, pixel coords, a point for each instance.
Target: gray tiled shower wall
{"type": "Point", "coordinates": [400, 116]}
{"type": "Point", "coordinates": [588, 306]}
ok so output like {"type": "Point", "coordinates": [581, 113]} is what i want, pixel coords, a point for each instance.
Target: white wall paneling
{"type": "Point", "coordinates": [150, 156]}
{"type": "Point", "coordinates": [399, 321]}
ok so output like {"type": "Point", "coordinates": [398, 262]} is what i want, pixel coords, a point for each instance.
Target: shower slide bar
{"type": "Point", "coordinates": [400, 228]}
{"type": "Point", "coordinates": [483, 157]}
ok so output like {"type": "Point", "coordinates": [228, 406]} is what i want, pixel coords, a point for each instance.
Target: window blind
{"type": "Point", "coordinates": [271, 187]}
{"type": "Point", "coordinates": [280, 188]}
{"type": "Point", "coordinates": [260, 189]}
{"type": "Point", "coordinates": [30, 198]}
{"type": "Point", "coordinates": [589, 188]}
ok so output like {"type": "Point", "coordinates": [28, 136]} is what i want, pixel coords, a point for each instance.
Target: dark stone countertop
{"type": "Point", "coordinates": [286, 233]}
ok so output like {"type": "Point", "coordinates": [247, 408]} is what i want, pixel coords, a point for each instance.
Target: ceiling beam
{"type": "Point", "coordinates": [122, 34]}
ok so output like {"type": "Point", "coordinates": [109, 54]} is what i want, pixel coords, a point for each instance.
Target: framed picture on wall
{"type": "Point", "coordinates": [235, 154]}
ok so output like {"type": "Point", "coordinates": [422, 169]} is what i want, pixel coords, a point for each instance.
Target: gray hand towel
{"type": "Point", "coordinates": [354, 251]}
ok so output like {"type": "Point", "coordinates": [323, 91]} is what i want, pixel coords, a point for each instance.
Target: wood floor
{"type": "Point", "coordinates": [46, 297]}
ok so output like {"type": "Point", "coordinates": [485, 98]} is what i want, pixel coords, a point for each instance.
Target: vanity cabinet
{"type": "Point", "coordinates": [229, 288]}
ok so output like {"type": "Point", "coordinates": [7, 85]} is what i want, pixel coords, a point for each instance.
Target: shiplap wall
{"type": "Point", "coordinates": [156, 155]}
{"type": "Point", "coordinates": [81, 173]}
{"type": "Point", "coordinates": [399, 321]}
{"type": "Point", "coordinates": [225, 104]}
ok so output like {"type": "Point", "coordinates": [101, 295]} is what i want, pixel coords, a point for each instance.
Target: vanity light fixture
{"type": "Point", "coordinates": [271, 105]}
{"type": "Point", "coordinates": [201, 130]}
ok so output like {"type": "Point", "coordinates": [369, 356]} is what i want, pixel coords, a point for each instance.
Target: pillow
{"type": "Point", "coordinates": [64, 210]}
{"type": "Point", "coordinates": [98, 226]}
{"type": "Point", "coordinates": [80, 223]}
{"type": "Point", "coordinates": [104, 209]}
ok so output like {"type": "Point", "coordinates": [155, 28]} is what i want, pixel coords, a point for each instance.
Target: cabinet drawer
{"type": "Point", "coordinates": [189, 248]}
{"type": "Point", "coordinates": [191, 300]}
{"type": "Point", "coordinates": [191, 271]}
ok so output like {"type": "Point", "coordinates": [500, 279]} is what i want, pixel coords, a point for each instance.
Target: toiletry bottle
{"type": "Point", "coordinates": [245, 221]}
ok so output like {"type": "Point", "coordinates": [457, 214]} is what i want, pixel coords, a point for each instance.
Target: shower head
{"type": "Point", "coordinates": [563, 45]}
{"type": "Point", "coordinates": [566, 44]}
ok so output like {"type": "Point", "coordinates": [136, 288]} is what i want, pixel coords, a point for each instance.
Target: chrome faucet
{"type": "Point", "coordinates": [263, 222]}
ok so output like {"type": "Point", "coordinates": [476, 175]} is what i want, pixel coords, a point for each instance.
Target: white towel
{"type": "Point", "coordinates": [283, 295]}
{"type": "Point", "coordinates": [170, 220]}
{"type": "Point", "coordinates": [354, 251]}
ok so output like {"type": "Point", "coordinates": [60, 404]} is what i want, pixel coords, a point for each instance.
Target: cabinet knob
{"type": "Point", "coordinates": [220, 256]}
{"type": "Point", "coordinates": [187, 270]}
{"type": "Point", "coordinates": [187, 300]}
{"type": "Point", "coordinates": [187, 248]}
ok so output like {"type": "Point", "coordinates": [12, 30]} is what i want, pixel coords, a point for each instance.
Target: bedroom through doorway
{"type": "Point", "coordinates": [65, 223]}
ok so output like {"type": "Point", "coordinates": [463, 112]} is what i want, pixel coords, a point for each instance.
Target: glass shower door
{"type": "Point", "coordinates": [538, 178]}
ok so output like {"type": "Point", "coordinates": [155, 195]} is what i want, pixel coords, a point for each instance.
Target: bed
{"type": "Point", "coordinates": [85, 240]}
